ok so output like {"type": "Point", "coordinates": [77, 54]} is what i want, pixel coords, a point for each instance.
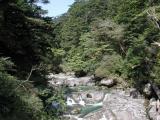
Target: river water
{"type": "Point", "coordinates": [86, 101]}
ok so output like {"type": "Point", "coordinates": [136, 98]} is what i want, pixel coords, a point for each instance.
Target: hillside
{"type": "Point", "coordinates": [112, 38]}
{"type": "Point", "coordinates": [106, 39]}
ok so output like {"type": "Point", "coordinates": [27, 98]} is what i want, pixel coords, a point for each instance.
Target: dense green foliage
{"type": "Point", "coordinates": [108, 38]}
{"type": "Point", "coordinates": [112, 38]}
{"type": "Point", "coordinates": [28, 50]}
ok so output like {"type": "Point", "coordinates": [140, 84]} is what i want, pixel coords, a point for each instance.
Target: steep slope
{"type": "Point", "coordinates": [112, 38]}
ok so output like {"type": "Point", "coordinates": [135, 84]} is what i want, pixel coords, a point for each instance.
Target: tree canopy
{"type": "Point", "coordinates": [94, 30]}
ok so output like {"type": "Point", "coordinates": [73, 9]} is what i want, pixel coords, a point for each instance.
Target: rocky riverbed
{"type": "Point", "coordinates": [90, 102]}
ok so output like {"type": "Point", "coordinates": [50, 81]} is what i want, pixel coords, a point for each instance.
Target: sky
{"type": "Point", "coordinates": [57, 7]}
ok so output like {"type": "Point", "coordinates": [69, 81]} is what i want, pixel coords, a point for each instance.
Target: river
{"type": "Point", "coordinates": [86, 101]}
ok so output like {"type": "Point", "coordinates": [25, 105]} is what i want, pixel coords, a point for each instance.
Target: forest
{"type": "Point", "coordinates": [105, 38]}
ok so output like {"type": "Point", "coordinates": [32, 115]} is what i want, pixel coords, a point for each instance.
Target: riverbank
{"type": "Point", "coordinates": [86, 101]}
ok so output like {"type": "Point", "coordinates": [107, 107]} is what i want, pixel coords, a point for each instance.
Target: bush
{"type": "Point", "coordinates": [110, 66]}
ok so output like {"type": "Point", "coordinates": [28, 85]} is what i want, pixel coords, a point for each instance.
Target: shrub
{"type": "Point", "coordinates": [110, 66]}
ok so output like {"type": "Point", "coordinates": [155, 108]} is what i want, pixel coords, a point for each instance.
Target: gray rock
{"type": "Point", "coordinates": [115, 104]}
{"type": "Point", "coordinates": [147, 90]}
{"type": "Point", "coordinates": [154, 111]}
{"type": "Point", "coordinates": [124, 115]}
{"type": "Point", "coordinates": [108, 83]}
{"type": "Point", "coordinates": [152, 100]}
{"type": "Point", "coordinates": [69, 80]}
{"type": "Point", "coordinates": [134, 93]}
{"type": "Point", "coordinates": [119, 106]}
{"type": "Point", "coordinates": [90, 97]}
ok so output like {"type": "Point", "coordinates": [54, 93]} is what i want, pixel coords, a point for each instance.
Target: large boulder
{"type": "Point", "coordinates": [69, 80]}
{"type": "Point", "coordinates": [107, 82]}
{"type": "Point", "coordinates": [117, 105]}
{"type": "Point", "coordinates": [154, 110]}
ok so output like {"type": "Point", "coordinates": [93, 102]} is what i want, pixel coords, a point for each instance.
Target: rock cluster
{"type": "Point", "coordinates": [117, 105]}
{"type": "Point", "coordinates": [69, 80]}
